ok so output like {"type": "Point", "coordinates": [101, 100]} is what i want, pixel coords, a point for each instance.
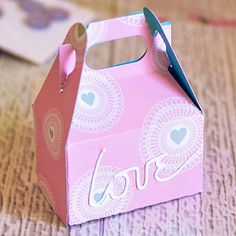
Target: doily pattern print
{"type": "Point", "coordinates": [159, 57]}
{"type": "Point", "coordinates": [137, 20]}
{"type": "Point", "coordinates": [53, 131]}
{"type": "Point", "coordinates": [96, 32]}
{"type": "Point", "coordinates": [174, 127]}
{"type": "Point", "coordinates": [79, 208]}
{"type": "Point", "coordinates": [46, 190]}
{"type": "Point", "coordinates": [100, 103]}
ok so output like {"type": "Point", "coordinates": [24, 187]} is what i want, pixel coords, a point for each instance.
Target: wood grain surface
{"type": "Point", "coordinates": [208, 55]}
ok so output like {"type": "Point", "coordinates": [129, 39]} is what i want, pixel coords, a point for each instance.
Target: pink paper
{"type": "Point", "coordinates": [67, 62]}
{"type": "Point", "coordinates": [121, 138]}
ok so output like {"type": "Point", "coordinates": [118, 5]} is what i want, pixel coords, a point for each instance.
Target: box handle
{"type": "Point", "coordinates": [118, 28]}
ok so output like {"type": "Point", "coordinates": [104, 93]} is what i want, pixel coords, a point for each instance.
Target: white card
{"type": "Point", "coordinates": [37, 45]}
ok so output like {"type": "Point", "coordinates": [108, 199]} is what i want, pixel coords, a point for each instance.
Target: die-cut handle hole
{"type": "Point", "coordinates": [116, 52]}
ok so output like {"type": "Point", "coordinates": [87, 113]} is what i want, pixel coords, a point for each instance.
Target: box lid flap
{"type": "Point", "coordinates": [175, 68]}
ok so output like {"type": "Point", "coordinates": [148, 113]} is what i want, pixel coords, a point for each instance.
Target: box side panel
{"type": "Point", "coordinates": [53, 111]}
{"type": "Point", "coordinates": [50, 159]}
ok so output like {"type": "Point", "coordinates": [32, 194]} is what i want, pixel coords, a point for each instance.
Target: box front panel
{"type": "Point", "coordinates": [158, 162]}
{"type": "Point", "coordinates": [136, 138]}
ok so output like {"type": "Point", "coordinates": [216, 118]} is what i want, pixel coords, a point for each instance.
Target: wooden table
{"type": "Point", "coordinates": [208, 55]}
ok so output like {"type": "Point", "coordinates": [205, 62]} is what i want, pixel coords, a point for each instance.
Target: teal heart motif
{"type": "Point", "coordinates": [98, 196]}
{"type": "Point", "coordinates": [88, 98]}
{"type": "Point", "coordinates": [178, 136]}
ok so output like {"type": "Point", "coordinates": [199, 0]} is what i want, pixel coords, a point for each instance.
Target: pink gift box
{"type": "Point", "coordinates": [117, 139]}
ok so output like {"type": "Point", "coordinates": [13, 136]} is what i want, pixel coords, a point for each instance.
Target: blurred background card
{"type": "Point", "coordinates": [34, 29]}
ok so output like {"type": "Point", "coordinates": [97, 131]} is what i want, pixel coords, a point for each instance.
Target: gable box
{"type": "Point", "coordinates": [113, 140]}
